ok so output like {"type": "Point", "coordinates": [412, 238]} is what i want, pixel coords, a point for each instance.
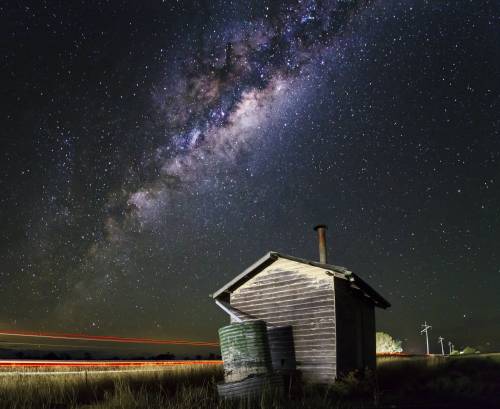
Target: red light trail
{"type": "Point", "coordinates": [103, 364]}
{"type": "Point", "coordinates": [107, 338]}
{"type": "Point", "coordinates": [46, 368]}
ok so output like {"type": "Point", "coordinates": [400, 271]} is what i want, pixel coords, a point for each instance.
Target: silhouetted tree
{"type": "Point", "coordinates": [165, 357]}
{"type": "Point", "coordinates": [469, 350]}
{"type": "Point", "coordinates": [387, 344]}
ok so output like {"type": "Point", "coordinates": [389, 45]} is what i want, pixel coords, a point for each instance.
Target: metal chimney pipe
{"type": "Point", "coordinates": [321, 229]}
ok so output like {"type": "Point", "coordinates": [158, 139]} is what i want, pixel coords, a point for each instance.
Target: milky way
{"type": "Point", "coordinates": [219, 107]}
{"type": "Point", "coordinates": [226, 101]}
{"type": "Point", "coordinates": [153, 151]}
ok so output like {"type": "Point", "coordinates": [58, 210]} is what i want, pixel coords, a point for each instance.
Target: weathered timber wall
{"type": "Point", "coordinates": [355, 329]}
{"type": "Point", "coordinates": [290, 293]}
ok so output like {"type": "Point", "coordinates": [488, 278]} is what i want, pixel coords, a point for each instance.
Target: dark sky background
{"type": "Point", "coordinates": [150, 151]}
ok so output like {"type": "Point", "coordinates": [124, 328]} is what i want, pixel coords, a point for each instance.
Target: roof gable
{"type": "Point", "coordinates": [281, 270]}
{"type": "Point", "coordinates": [337, 271]}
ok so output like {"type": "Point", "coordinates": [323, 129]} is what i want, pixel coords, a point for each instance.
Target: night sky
{"type": "Point", "coordinates": [152, 150]}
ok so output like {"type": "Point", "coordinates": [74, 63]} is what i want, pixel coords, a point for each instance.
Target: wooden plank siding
{"type": "Point", "coordinates": [356, 329]}
{"type": "Point", "coordinates": [288, 293]}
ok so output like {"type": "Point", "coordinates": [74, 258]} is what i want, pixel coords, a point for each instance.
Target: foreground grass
{"type": "Point", "coordinates": [151, 387]}
{"type": "Point", "coordinates": [454, 382]}
{"type": "Point", "coordinates": [461, 379]}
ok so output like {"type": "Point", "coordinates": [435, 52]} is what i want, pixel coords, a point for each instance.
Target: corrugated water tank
{"type": "Point", "coordinates": [245, 350]}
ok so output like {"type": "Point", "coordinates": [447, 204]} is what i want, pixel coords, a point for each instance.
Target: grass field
{"type": "Point", "coordinates": [466, 381]}
{"type": "Point", "coordinates": [418, 382]}
{"type": "Point", "coordinates": [151, 387]}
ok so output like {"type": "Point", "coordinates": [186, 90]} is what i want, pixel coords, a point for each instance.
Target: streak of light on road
{"type": "Point", "coordinates": [107, 338]}
{"type": "Point", "coordinates": [81, 346]}
{"type": "Point", "coordinates": [45, 373]}
{"type": "Point", "coordinates": [106, 364]}
{"type": "Point", "coordinates": [90, 367]}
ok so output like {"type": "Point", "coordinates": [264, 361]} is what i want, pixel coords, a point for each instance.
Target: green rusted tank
{"type": "Point", "coordinates": [245, 350]}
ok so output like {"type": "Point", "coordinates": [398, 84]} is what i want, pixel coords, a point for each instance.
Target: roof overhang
{"type": "Point", "coordinates": [247, 274]}
{"type": "Point", "coordinates": [337, 271]}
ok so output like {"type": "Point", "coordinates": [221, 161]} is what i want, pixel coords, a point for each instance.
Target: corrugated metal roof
{"type": "Point", "coordinates": [337, 271]}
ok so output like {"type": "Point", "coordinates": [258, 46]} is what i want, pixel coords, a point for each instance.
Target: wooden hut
{"type": "Point", "coordinates": [329, 309]}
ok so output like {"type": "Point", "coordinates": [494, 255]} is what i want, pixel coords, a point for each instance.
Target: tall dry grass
{"type": "Point", "coordinates": [153, 387]}
{"type": "Point", "coordinates": [454, 382]}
